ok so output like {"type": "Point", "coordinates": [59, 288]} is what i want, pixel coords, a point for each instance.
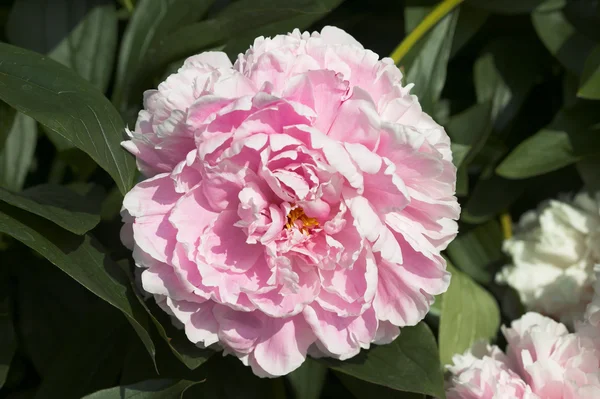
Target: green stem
{"type": "Point", "coordinates": [426, 24]}
{"type": "Point", "coordinates": [128, 5]}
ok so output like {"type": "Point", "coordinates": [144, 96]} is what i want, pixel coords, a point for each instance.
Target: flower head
{"type": "Point", "coordinates": [297, 201]}
{"type": "Point", "coordinates": [553, 255]}
{"type": "Point", "coordinates": [543, 360]}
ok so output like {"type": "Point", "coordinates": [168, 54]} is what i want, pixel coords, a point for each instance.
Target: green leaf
{"type": "Point", "coordinates": [363, 390]}
{"type": "Point", "coordinates": [58, 204]}
{"type": "Point", "coordinates": [314, 10]}
{"type": "Point", "coordinates": [490, 197]}
{"type": "Point", "coordinates": [64, 102]}
{"type": "Point", "coordinates": [411, 363]}
{"type": "Point", "coordinates": [462, 182]}
{"type": "Point", "coordinates": [151, 389]}
{"type": "Point", "coordinates": [90, 48]}
{"type": "Point", "coordinates": [240, 18]}
{"type": "Point", "coordinates": [427, 68]}
{"type": "Point", "coordinates": [570, 47]}
{"type": "Point", "coordinates": [478, 251]}
{"type": "Point", "coordinates": [471, 129]}
{"type": "Point", "coordinates": [589, 87]}
{"type": "Point", "coordinates": [17, 155]}
{"type": "Point", "coordinates": [152, 20]}
{"type": "Point", "coordinates": [436, 306]}
{"type": "Point", "coordinates": [82, 258]}
{"type": "Point", "coordinates": [470, 20]}
{"type": "Point", "coordinates": [469, 313]}
{"type": "Point", "coordinates": [505, 74]}
{"type": "Point", "coordinates": [7, 117]}
{"type": "Point", "coordinates": [184, 350]}
{"type": "Point", "coordinates": [91, 357]}
{"type": "Point", "coordinates": [307, 380]}
{"type": "Point", "coordinates": [459, 153]}
{"type": "Point", "coordinates": [111, 206]}
{"type": "Point", "coordinates": [588, 169]}
{"type": "Point", "coordinates": [543, 152]}
{"type": "Point", "coordinates": [505, 6]}
{"type": "Point", "coordinates": [8, 339]}
{"type": "Point", "coordinates": [470, 125]}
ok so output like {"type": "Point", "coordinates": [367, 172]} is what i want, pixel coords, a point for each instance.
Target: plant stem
{"type": "Point", "coordinates": [129, 5]}
{"type": "Point", "coordinates": [506, 223]}
{"type": "Point", "coordinates": [424, 26]}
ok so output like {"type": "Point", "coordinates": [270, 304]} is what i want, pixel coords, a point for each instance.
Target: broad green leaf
{"type": "Point", "coordinates": [470, 20]}
{"type": "Point", "coordinates": [64, 102]}
{"type": "Point", "coordinates": [543, 152]}
{"type": "Point", "coordinates": [411, 363]}
{"type": "Point", "coordinates": [8, 339]}
{"type": "Point", "coordinates": [459, 152]}
{"type": "Point", "coordinates": [7, 116]}
{"type": "Point", "coordinates": [40, 25]}
{"type": "Point", "coordinates": [428, 67]}
{"type": "Point", "coordinates": [572, 135]}
{"type": "Point", "coordinates": [58, 204]}
{"type": "Point", "coordinates": [17, 155]}
{"type": "Point", "coordinates": [436, 306]}
{"type": "Point", "coordinates": [491, 196]}
{"type": "Point", "coordinates": [570, 47]}
{"type": "Point", "coordinates": [152, 20]}
{"type": "Point", "coordinates": [469, 313]}
{"type": "Point", "coordinates": [477, 251]}
{"type": "Point", "coordinates": [307, 380]}
{"type": "Point", "coordinates": [364, 390]}
{"type": "Point", "coordinates": [505, 74]}
{"type": "Point", "coordinates": [293, 19]}
{"type": "Point", "coordinates": [111, 206]}
{"type": "Point", "coordinates": [590, 78]}
{"type": "Point", "coordinates": [82, 258]}
{"type": "Point", "coordinates": [151, 389]}
{"type": "Point", "coordinates": [185, 351]}
{"type": "Point", "coordinates": [505, 6]}
{"type": "Point", "coordinates": [588, 169]}
{"type": "Point", "coordinates": [471, 128]}
{"type": "Point", "coordinates": [80, 163]}
{"type": "Point", "coordinates": [91, 357]}
{"type": "Point", "coordinates": [83, 34]}
{"type": "Point", "coordinates": [469, 132]}
{"type": "Point", "coordinates": [462, 182]}
{"type": "Point", "coordinates": [243, 17]}
{"type": "Point", "coordinates": [90, 48]}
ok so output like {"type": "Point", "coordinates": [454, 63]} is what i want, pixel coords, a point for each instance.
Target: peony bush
{"type": "Point", "coordinates": [299, 199]}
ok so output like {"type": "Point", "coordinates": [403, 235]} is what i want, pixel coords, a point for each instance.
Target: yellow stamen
{"type": "Point", "coordinates": [297, 214]}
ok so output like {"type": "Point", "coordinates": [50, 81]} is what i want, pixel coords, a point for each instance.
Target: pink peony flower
{"type": "Point", "coordinates": [543, 360]}
{"type": "Point", "coordinates": [297, 203]}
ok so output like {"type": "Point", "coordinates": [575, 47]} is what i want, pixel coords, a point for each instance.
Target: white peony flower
{"type": "Point", "coordinates": [554, 251]}
{"type": "Point", "coordinates": [590, 325]}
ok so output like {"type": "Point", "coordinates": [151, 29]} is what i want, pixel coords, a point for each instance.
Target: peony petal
{"type": "Point", "coordinates": [282, 347]}
{"type": "Point", "coordinates": [396, 301]}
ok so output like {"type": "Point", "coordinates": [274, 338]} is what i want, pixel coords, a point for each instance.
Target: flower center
{"type": "Point", "coordinates": [298, 218]}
